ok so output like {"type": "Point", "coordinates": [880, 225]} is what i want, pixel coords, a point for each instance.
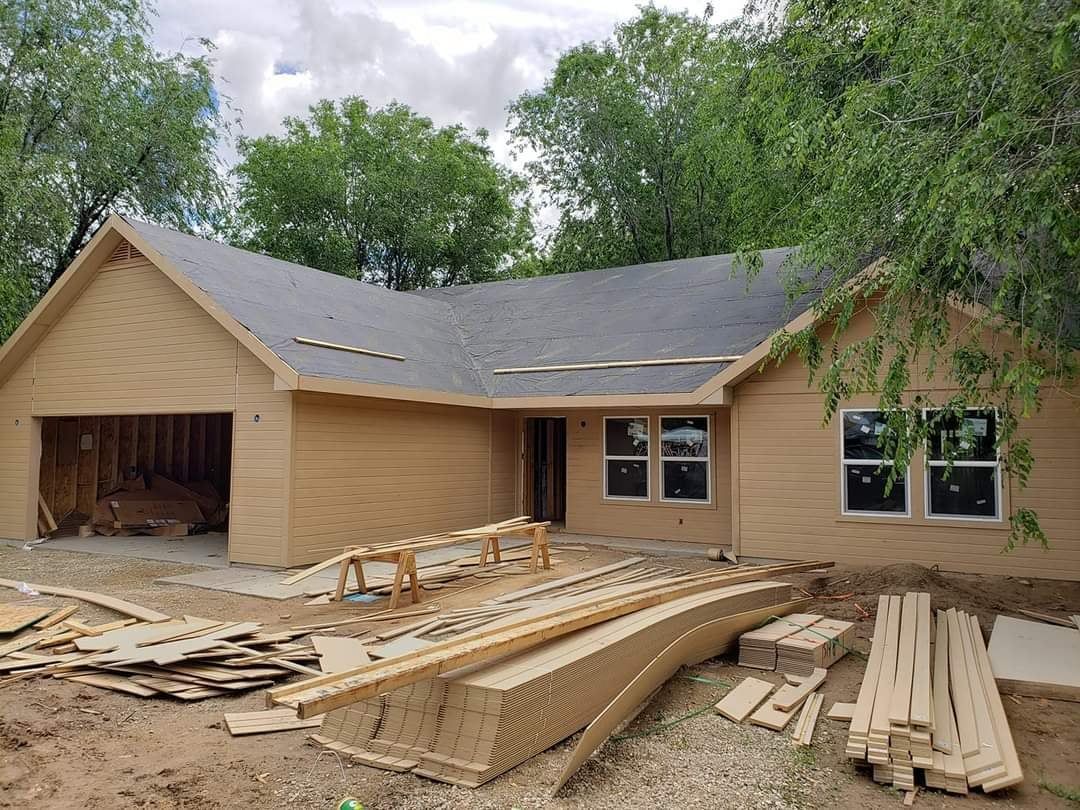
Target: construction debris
{"type": "Point", "coordinates": [939, 713]}
{"type": "Point", "coordinates": [738, 704]}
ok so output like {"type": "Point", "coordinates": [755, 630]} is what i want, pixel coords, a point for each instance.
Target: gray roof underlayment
{"type": "Point", "coordinates": [454, 337]}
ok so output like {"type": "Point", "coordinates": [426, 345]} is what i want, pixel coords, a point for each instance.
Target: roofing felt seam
{"type": "Point", "coordinates": [674, 361]}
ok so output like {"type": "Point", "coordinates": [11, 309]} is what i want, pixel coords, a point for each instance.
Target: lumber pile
{"type": "Point", "coordinates": [470, 725]}
{"type": "Point", "coordinates": [797, 645]}
{"type": "Point", "coordinates": [928, 702]}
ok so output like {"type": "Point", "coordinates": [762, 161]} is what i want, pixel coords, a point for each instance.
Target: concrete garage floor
{"type": "Point", "coordinates": [210, 551]}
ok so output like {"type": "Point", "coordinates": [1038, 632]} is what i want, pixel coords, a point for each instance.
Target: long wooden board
{"type": "Point", "coordinates": [721, 632]}
{"type": "Point", "coordinates": [1003, 734]}
{"type": "Point", "coordinates": [320, 695]}
{"type": "Point", "coordinates": [573, 579]}
{"type": "Point", "coordinates": [111, 602]}
{"type": "Point", "coordinates": [244, 723]}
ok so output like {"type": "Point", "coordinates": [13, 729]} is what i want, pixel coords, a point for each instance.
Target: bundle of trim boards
{"type": "Point", "coordinates": [466, 710]}
{"type": "Point", "coordinates": [929, 701]}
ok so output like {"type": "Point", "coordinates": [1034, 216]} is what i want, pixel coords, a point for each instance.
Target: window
{"type": "Point", "coordinates": [626, 457]}
{"type": "Point", "coordinates": [970, 489]}
{"type": "Point", "coordinates": [684, 458]}
{"type": "Point", "coordinates": [865, 471]}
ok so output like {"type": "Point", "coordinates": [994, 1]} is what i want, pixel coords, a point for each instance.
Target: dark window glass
{"type": "Point", "coordinates": [686, 480]}
{"type": "Point", "coordinates": [970, 437]}
{"type": "Point", "coordinates": [864, 490]}
{"type": "Point", "coordinates": [626, 437]}
{"type": "Point", "coordinates": [861, 432]}
{"type": "Point", "coordinates": [966, 492]}
{"type": "Point", "coordinates": [684, 437]}
{"type": "Point", "coordinates": [627, 479]}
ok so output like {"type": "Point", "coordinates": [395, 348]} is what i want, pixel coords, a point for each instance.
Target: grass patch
{"type": "Point", "coordinates": [804, 756]}
{"type": "Point", "coordinates": [1069, 794]}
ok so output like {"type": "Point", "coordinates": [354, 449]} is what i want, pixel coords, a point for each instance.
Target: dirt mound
{"type": "Point", "coordinates": [961, 591]}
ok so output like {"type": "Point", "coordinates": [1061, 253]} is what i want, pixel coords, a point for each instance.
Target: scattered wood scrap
{"type": "Point", "coordinates": [188, 658]}
{"type": "Point", "coordinates": [241, 724]}
{"type": "Point", "coordinates": [842, 712]}
{"type": "Point", "coordinates": [804, 728]}
{"type": "Point", "coordinates": [737, 704]}
{"type": "Point", "coordinates": [119, 605]}
{"type": "Point", "coordinates": [1046, 617]}
{"type": "Point", "coordinates": [14, 618]}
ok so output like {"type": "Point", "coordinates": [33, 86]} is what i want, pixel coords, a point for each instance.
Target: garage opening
{"type": "Point", "coordinates": [148, 476]}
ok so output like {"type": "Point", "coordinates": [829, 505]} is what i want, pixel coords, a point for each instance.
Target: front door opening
{"type": "Point", "coordinates": [545, 468]}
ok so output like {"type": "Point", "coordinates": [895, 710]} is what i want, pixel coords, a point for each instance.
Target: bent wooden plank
{"type": "Point", "coordinates": [720, 632]}
{"type": "Point", "coordinates": [1003, 734]}
{"type": "Point", "coordinates": [111, 602]}
{"type": "Point", "coordinates": [319, 695]}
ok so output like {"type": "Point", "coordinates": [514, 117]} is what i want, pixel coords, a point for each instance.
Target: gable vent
{"type": "Point", "coordinates": [125, 252]}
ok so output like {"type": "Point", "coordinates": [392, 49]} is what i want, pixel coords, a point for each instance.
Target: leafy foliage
{"type": "Point", "coordinates": [942, 137]}
{"type": "Point", "coordinates": [92, 119]}
{"type": "Point", "coordinates": [380, 195]}
{"type": "Point", "coordinates": [640, 144]}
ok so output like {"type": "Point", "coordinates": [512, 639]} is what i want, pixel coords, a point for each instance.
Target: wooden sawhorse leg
{"type": "Point", "coordinates": [343, 575]}
{"type": "Point", "coordinates": [539, 549]}
{"type": "Point", "coordinates": [406, 566]}
{"type": "Point", "coordinates": [490, 543]}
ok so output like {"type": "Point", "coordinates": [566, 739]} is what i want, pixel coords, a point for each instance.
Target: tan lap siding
{"type": "Point", "coordinates": [370, 471]}
{"type": "Point", "coordinates": [259, 508]}
{"type": "Point", "coordinates": [789, 504]}
{"type": "Point", "coordinates": [16, 441]}
{"type": "Point", "coordinates": [134, 343]}
{"type": "Point", "coordinates": [587, 512]}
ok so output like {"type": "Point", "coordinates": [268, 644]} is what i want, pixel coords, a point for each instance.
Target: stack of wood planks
{"type": "Point", "coordinates": [470, 725]}
{"type": "Point", "coordinates": [817, 647]}
{"type": "Point", "coordinates": [929, 702]}
{"type": "Point", "coordinates": [757, 649]}
{"type": "Point", "coordinates": [468, 709]}
{"type": "Point", "coordinates": [797, 645]}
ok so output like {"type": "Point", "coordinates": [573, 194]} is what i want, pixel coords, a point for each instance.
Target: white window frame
{"type": "Point", "coordinates": [706, 459]}
{"type": "Point", "coordinates": [647, 458]}
{"type": "Point", "coordinates": [996, 464]}
{"type": "Point", "coordinates": [851, 462]}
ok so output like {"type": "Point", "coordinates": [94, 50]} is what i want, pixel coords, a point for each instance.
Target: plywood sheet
{"type": "Point", "coordinates": [1035, 659]}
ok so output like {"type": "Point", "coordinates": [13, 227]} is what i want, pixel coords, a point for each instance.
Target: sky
{"type": "Point", "coordinates": [455, 62]}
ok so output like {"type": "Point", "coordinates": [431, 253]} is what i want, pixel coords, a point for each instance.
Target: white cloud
{"type": "Point", "coordinates": [455, 62]}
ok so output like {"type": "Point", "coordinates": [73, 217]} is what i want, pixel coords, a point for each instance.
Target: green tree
{"type": "Point", "coordinates": [942, 136]}
{"type": "Point", "coordinates": [614, 136]}
{"type": "Point", "coordinates": [92, 119]}
{"type": "Point", "coordinates": [381, 195]}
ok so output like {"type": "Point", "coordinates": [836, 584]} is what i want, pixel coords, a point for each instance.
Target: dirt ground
{"type": "Point", "coordinates": [63, 745]}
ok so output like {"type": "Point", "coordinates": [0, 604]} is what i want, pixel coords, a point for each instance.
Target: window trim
{"type": "Point", "coordinates": [996, 464]}
{"type": "Point", "coordinates": [647, 458]}
{"type": "Point", "coordinates": [853, 461]}
{"type": "Point", "coordinates": [706, 460]}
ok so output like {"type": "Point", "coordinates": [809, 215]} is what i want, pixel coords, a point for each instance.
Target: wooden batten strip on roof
{"type": "Point", "coordinates": [671, 361]}
{"type": "Point", "coordinates": [341, 347]}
